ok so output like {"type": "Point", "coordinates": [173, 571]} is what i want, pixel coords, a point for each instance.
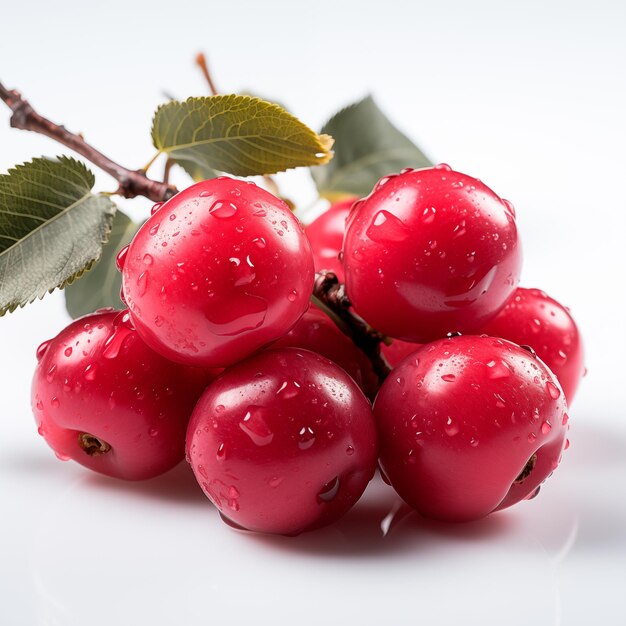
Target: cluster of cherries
{"type": "Point", "coordinates": [222, 354]}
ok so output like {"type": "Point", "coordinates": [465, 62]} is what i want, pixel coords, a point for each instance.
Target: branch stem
{"type": "Point", "coordinates": [132, 183]}
{"type": "Point", "coordinates": [201, 62]}
{"type": "Point", "coordinates": [204, 68]}
{"type": "Point", "coordinates": [330, 295]}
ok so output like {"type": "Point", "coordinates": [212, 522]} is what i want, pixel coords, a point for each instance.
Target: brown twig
{"type": "Point", "coordinates": [132, 183]}
{"type": "Point", "coordinates": [201, 62]}
{"type": "Point", "coordinates": [330, 295]}
{"type": "Point", "coordinates": [204, 68]}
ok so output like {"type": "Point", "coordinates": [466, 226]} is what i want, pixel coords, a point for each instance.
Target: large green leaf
{"type": "Point", "coordinates": [52, 228]}
{"type": "Point", "coordinates": [100, 286]}
{"type": "Point", "coordinates": [241, 135]}
{"type": "Point", "coordinates": [368, 147]}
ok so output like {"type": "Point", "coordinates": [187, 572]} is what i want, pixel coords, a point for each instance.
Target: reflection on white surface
{"type": "Point", "coordinates": [118, 552]}
{"type": "Point", "coordinates": [110, 552]}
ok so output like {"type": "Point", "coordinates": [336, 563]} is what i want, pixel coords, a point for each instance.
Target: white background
{"type": "Point", "coordinates": [528, 96]}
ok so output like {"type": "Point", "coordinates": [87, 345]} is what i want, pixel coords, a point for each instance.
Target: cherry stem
{"type": "Point", "coordinates": [330, 295]}
{"type": "Point", "coordinates": [132, 183]}
{"type": "Point", "coordinates": [92, 445]}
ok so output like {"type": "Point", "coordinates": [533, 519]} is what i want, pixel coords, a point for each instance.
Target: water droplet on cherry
{"type": "Point", "coordinates": [529, 349]}
{"type": "Point", "coordinates": [509, 206]}
{"type": "Point", "coordinates": [451, 427]}
{"type": "Point", "coordinates": [330, 490]}
{"type": "Point", "coordinates": [553, 391]}
{"type": "Point", "coordinates": [237, 314]}
{"type": "Point", "coordinates": [289, 389]}
{"type": "Point", "coordinates": [90, 372]}
{"type": "Point", "coordinates": [255, 426]}
{"type": "Point", "coordinates": [387, 228]}
{"type": "Point", "coordinates": [142, 283]}
{"type": "Point", "coordinates": [223, 210]}
{"type": "Point", "coordinates": [498, 370]}
{"type": "Point", "coordinates": [428, 215]}
{"type": "Point", "coordinates": [120, 259]}
{"type": "Point", "coordinates": [41, 350]}
{"type": "Point", "coordinates": [306, 438]}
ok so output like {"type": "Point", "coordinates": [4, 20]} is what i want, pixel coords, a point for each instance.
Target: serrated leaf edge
{"type": "Point", "coordinates": [105, 236]}
{"type": "Point", "coordinates": [324, 140]}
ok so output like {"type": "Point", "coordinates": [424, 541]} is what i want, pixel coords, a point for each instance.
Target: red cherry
{"type": "Point", "coordinates": [429, 252]}
{"type": "Point", "coordinates": [532, 318]}
{"type": "Point", "coordinates": [325, 234]}
{"type": "Point", "coordinates": [397, 350]}
{"type": "Point", "coordinates": [219, 271]}
{"type": "Point", "coordinates": [103, 398]}
{"type": "Point", "coordinates": [283, 442]}
{"type": "Point", "coordinates": [469, 426]}
{"type": "Point", "coordinates": [315, 331]}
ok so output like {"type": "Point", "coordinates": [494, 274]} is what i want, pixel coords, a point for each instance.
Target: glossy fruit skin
{"type": "Point", "coordinates": [217, 272]}
{"type": "Point", "coordinates": [459, 422]}
{"type": "Point", "coordinates": [533, 318]}
{"type": "Point", "coordinates": [316, 332]}
{"type": "Point", "coordinates": [430, 252]}
{"type": "Point", "coordinates": [283, 442]}
{"type": "Point", "coordinates": [398, 350]}
{"type": "Point", "coordinates": [98, 377]}
{"type": "Point", "coordinates": [325, 234]}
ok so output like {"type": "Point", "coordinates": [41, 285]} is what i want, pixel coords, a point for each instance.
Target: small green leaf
{"type": "Point", "coordinates": [100, 286]}
{"type": "Point", "coordinates": [51, 228]}
{"type": "Point", "coordinates": [241, 135]}
{"type": "Point", "coordinates": [368, 147]}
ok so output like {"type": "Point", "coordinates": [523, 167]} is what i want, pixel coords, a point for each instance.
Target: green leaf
{"type": "Point", "coordinates": [241, 135]}
{"type": "Point", "coordinates": [51, 228]}
{"type": "Point", "coordinates": [253, 94]}
{"type": "Point", "coordinates": [368, 147]}
{"type": "Point", "coordinates": [100, 286]}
